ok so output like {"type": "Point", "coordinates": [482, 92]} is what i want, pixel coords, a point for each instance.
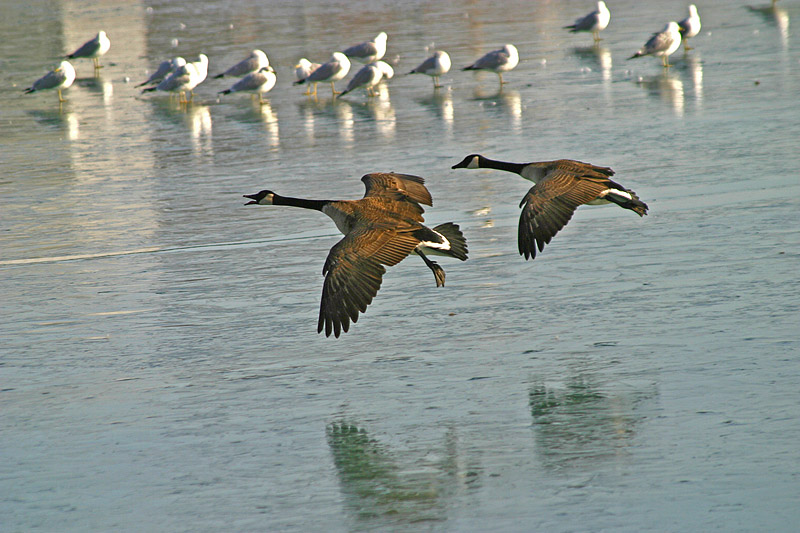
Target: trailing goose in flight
{"type": "Point", "coordinates": [380, 229]}
{"type": "Point", "coordinates": [560, 187]}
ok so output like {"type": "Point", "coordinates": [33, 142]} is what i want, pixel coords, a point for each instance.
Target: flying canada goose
{"type": "Point", "coordinates": [380, 229]}
{"type": "Point", "coordinates": [93, 49]}
{"type": "Point", "coordinates": [690, 26]}
{"type": "Point", "coordinates": [595, 22]}
{"type": "Point", "coordinates": [663, 44]}
{"type": "Point", "coordinates": [561, 186]}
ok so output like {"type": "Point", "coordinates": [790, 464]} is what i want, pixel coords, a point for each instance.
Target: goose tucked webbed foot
{"type": "Point", "coordinates": [438, 271]}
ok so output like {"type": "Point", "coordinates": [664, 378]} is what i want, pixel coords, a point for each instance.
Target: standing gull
{"type": "Point", "coordinates": [663, 43]}
{"type": "Point", "coordinates": [259, 82]}
{"type": "Point", "coordinates": [60, 78]}
{"type": "Point", "coordinates": [334, 70]}
{"type": "Point", "coordinates": [201, 69]}
{"type": "Point", "coordinates": [434, 66]}
{"type": "Point", "coordinates": [594, 22]}
{"type": "Point", "coordinates": [93, 49]}
{"type": "Point", "coordinates": [380, 229]}
{"type": "Point", "coordinates": [303, 69]}
{"type": "Point", "coordinates": [252, 63]}
{"type": "Point", "coordinates": [368, 77]}
{"type": "Point", "coordinates": [182, 80]}
{"type": "Point", "coordinates": [368, 51]}
{"type": "Point", "coordinates": [164, 69]}
{"type": "Point", "coordinates": [498, 61]}
{"type": "Point", "coordinates": [690, 26]}
{"type": "Point", "coordinates": [560, 188]}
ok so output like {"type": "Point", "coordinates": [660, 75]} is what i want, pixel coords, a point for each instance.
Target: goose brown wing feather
{"type": "Point", "coordinates": [549, 205]}
{"type": "Point", "coordinates": [388, 184]}
{"type": "Point", "coordinates": [579, 167]}
{"type": "Point", "coordinates": [354, 272]}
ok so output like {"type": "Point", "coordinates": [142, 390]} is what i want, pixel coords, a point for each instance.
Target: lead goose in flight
{"type": "Point", "coordinates": [380, 229]}
{"type": "Point", "coordinates": [561, 186]}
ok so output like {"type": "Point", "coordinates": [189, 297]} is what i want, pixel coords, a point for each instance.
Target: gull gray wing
{"type": "Point", "coordinates": [491, 61]}
{"type": "Point", "coordinates": [325, 71]}
{"type": "Point", "coordinates": [426, 66]}
{"type": "Point", "coordinates": [659, 42]}
{"type": "Point", "coordinates": [365, 49]}
{"type": "Point", "coordinates": [179, 78]}
{"type": "Point", "coordinates": [163, 69]}
{"type": "Point", "coordinates": [89, 48]}
{"type": "Point", "coordinates": [51, 80]}
{"type": "Point", "coordinates": [243, 67]}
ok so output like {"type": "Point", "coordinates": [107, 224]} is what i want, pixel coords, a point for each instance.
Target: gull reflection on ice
{"type": "Point", "coordinates": [598, 58]}
{"type": "Point", "coordinates": [666, 88]}
{"type": "Point", "coordinates": [507, 101]}
{"type": "Point", "coordinates": [382, 112]}
{"type": "Point", "coordinates": [198, 119]}
{"type": "Point", "coordinates": [694, 68]}
{"type": "Point", "coordinates": [66, 121]}
{"type": "Point", "coordinates": [270, 120]}
{"type": "Point", "coordinates": [99, 85]}
{"type": "Point", "coordinates": [777, 16]}
{"type": "Point", "coordinates": [440, 102]}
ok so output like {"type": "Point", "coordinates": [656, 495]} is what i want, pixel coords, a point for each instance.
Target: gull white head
{"type": "Point", "coordinates": [386, 69]}
{"type": "Point", "coordinates": [263, 61]}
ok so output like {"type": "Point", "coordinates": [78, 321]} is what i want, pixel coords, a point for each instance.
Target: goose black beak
{"type": "Point", "coordinates": [252, 198]}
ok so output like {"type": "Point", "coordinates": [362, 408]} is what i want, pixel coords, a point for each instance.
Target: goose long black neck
{"type": "Point", "coordinates": [503, 165]}
{"type": "Point", "coordinates": [299, 202]}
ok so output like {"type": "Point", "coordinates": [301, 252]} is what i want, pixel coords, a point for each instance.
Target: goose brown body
{"type": "Point", "coordinates": [561, 186]}
{"type": "Point", "coordinates": [380, 230]}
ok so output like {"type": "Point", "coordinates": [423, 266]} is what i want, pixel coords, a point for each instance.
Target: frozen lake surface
{"type": "Point", "coordinates": [160, 368]}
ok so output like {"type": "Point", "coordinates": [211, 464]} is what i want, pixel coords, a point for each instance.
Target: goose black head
{"type": "Point", "coordinates": [471, 161]}
{"type": "Point", "coordinates": [261, 198]}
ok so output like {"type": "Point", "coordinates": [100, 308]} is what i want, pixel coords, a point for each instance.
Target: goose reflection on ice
{"type": "Point", "coordinates": [666, 88]}
{"type": "Point", "coordinates": [578, 424]}
{"type": "Point", "coordinates": [382, 490]}
{"type": "Point", "coordinates": [507, 101]}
